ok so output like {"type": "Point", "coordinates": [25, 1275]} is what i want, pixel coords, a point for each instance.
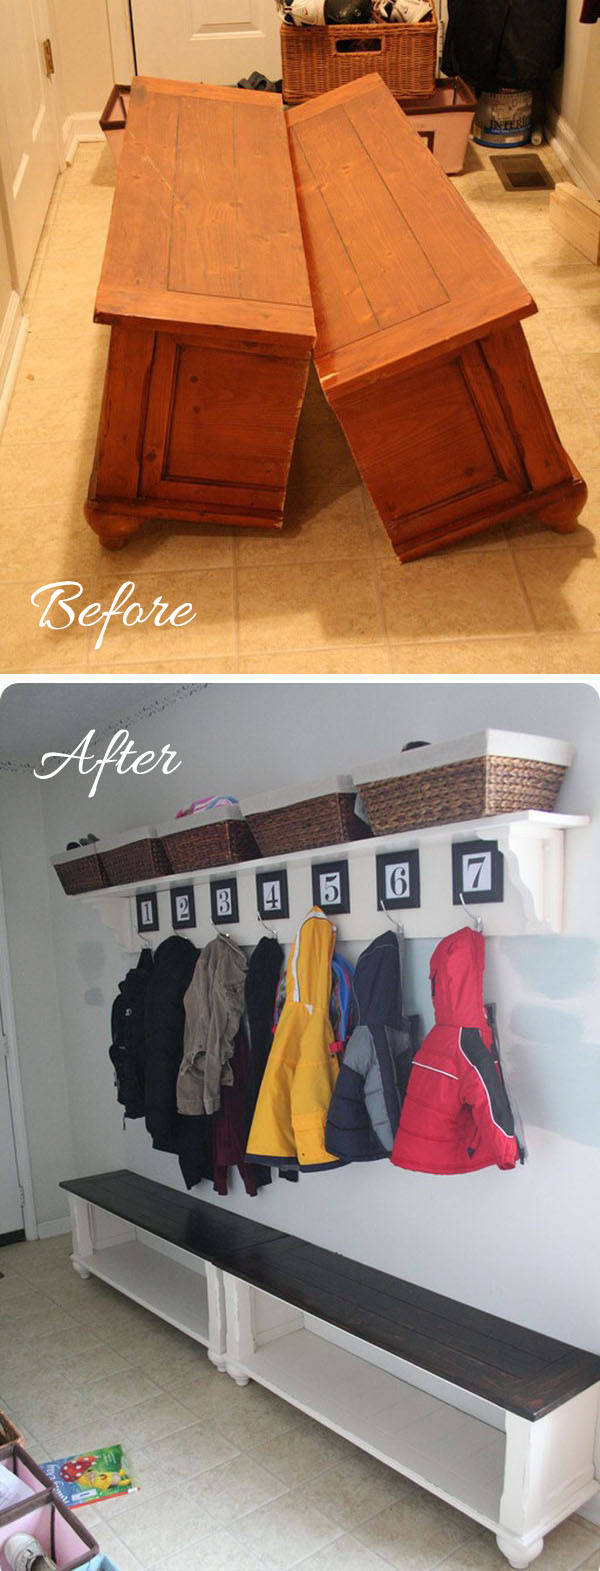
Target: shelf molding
{"type": "Point", "coordinates": [533, 845]}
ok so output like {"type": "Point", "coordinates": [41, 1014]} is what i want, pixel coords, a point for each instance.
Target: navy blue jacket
{"type": "Point", "coordinates": [365, 1107]}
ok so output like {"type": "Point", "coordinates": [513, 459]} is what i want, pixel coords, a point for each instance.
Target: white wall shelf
{"type": "Point", "coordinates": [533, 846]}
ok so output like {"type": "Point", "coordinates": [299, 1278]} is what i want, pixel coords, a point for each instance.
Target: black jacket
{"type": "Point", "coordinates": [365, 1107]}
{"type": "Point", "coordinates": [504, 43]}
{"type": "Point", "coordinates": [128, 1043]}
{"type": "Point", "coordinates": [263, 974]}
{"type": "Point", "coordinates": [172, 972]}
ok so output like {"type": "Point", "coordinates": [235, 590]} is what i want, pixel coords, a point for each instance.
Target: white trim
{"type": "Point", "coordinates": [591, 1510]}
{"type": "Point", "coordinates": [432, 1069]}
{"type": "Point", "coordinates": [564, 142]}
{"type": "Point", "coordinates": [80, 128]}
{"type": "Point", "coordinates": [13, 338]}
{"type": "Point", "coordinates": [15, 1087]}
{"type": "Point", "coordinates": [54, 1229]}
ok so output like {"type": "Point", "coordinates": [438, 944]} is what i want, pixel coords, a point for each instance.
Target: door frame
{"type": "Point", "coordinates": [15, 1087]}
{"type": "Point", "coordinates": [122, 42]}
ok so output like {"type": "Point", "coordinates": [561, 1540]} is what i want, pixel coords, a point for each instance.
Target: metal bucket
{"type": "Point", "coordinates": [503, 119]}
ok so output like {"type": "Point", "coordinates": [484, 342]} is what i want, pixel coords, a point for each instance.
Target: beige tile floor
{"type": "Point", "coordinates": [328, 595]}
{"type": "Point", "coordinates": [231, 1480]}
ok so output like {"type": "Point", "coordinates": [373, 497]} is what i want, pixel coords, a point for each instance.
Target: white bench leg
{"type": "Point", "coordinates": [83, 1238]}
{"type": "Point", "coordinates": [240, 1326]}
{"type": "Point", "coordinates": [548, 1474]}
{"type": "Point", "coordinates": [216, 1318]}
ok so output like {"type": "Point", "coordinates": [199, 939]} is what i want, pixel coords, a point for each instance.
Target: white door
{"type": "Point", "coordinates": [207, 40]}
{"type": "Point", "coordinates": [11, 1201]}
{"type": "Point", "coordinates": [29, 149]}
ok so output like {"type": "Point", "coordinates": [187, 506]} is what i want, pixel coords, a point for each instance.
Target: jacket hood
{"type": "Point", "coordinates": [378, 982]}
{"type": "Point", "coordinates": [456, 975]}
{"type": "Point", "coordinates": [175, 958]}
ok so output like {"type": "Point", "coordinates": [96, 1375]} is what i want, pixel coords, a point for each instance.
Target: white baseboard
{"type": "Point", "coordinates": [80, 128]}
{"type": "Point", "coordinates": [591, 1511]}
{"type": "Point", "coordinates": [563, 141]}
{"type": "Point", "coordinates": [13, 337]}
{"type": "Point", "coordinates": [53, 1229]}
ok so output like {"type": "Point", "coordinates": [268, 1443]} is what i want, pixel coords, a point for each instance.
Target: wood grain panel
{"type": "Point", "coordinates": [205, 247]}
{"type": "Point", "coordinates": [205, 222]}
{"type": "Point", "coordinates": [385, 253]}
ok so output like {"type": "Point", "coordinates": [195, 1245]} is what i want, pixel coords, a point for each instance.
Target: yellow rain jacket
{"type": "Point", "coordinates": [289, 1121]}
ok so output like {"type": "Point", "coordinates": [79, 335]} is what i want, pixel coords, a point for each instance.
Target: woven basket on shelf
{"type": "Point", "coordinates": [9, 1434]}
{"type": "Point", "coordinates": [315, 59]}
{"type": "Point", "coordinates": [471, 788]}
{"type": "Point", "coordinates": [195, 844]}
{"type": "Point", "coordinates": [314, 821]}
{"type": "Point", "coordinates": [81, 871]}
{"type": "Point", "coordinates": [130, 859]}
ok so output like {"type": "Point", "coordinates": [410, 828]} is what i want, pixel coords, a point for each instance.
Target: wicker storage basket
{"type": "Point", "coordinates": [208, 840]}
{"type": "Point", "coordinates": [80, 871]}
{"type": "Point", "coordinates": [319, 814]}
{"type": "Point", "coordinates": [9, 1434]}
{"type": "Point", "coordinates": [315, 59]}
{"type": "Point", "coordinates": [17, 1461]}
{"type": "Point", "coordinates": [137, 854]}
{"type": "Point", "coordinates": [472, 777]}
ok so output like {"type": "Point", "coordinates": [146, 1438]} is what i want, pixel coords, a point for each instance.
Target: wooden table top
{"type": "Point", "coordinates": [205, 229]}
{"type": "Point", "coordinates": [400, 269]}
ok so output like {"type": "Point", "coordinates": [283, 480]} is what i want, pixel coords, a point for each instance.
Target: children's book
{"type": "Point", "coordinates": [96, 1475]}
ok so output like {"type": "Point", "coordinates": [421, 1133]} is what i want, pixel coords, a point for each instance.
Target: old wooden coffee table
{"type": "Point", "coordinates": [205, 287]}
{"type": "Point", "coordinates": [419, 345]}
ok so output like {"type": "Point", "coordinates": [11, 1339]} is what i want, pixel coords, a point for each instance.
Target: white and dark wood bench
{"type": "Point", "coordinates": [493, 1417]}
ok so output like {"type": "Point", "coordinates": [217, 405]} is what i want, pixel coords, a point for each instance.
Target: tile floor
{"type": "Point", "coordinates": [328, 595]}
{"type": "Point", "coordinates": [232, 1479]}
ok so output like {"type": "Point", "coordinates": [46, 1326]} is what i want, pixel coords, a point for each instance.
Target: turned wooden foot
{"type": "Point", "coordinates": [519, 1555]}
{"type": "Point", "coordinates": [237, 1374]}
{"type": "Point", "coordinates": [81, 1270]}
{"type": "Point", "coordinates": [113, 529]}
{"type": "Point", "coordinates": [563, 516]}
{"type": "Point", "coordinates": [218, 1359]}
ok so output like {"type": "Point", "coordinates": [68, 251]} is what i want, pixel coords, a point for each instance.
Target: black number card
{"type": "Point", "coordinates": [477, 872]}
{"type": "Point", "coordinates": [331, 887]}
{"type": "Point", "coordinates": [183, 907]}
{"type": "Point", "coordinates": [224, 901]}
{"type": "Point", "coordinates": [147, 913]}
{"type": "Point", "coordinates": [398, 880]}
{"type": "Point", "coordinates": [272, 896]}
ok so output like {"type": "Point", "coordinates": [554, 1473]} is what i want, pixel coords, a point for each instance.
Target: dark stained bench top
{"type": "Point", "coordinates": [516, 1368]}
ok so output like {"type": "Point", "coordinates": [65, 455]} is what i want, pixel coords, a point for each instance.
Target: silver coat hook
{"type": "Point", "coordinates": [476, 920]}
{"type": "Point", "coordinates": [269, 930]}
{"type": "Point", "coordinates": [396, 925]}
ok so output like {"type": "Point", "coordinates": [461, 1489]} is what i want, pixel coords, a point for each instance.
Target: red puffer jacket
{"type": "Point", "coordinates": [456, 1115]}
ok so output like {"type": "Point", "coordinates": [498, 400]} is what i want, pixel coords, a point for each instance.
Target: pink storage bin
{"type": "Point", "coordinates": [444, 120]}
{"type": "Point", "coordinates": [62, 1537]}
{"type": "Point", "coordinates": [18, 1461]}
